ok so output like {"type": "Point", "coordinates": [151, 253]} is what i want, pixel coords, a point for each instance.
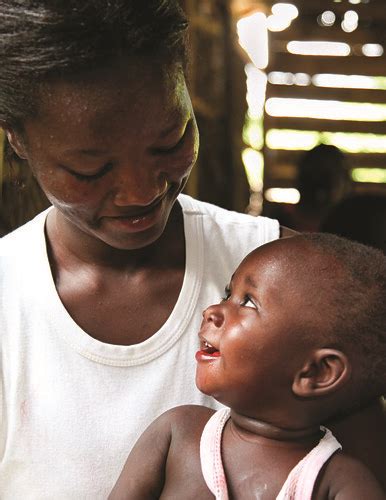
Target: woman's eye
{"type": "Point", "coordinates": [227, 294]}
{"type": "Point", "coordinates": [175, 147]}
{"type": "Point", "coordinates": [88, 178]}
{"type": "Point", "coordinates": [172, 149]}
{"type": "Point", "coordinates": [247, 302]}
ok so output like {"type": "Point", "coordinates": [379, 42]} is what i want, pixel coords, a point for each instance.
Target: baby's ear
{"type": "Point", "coordinates": [14, 140]}
{"type": "Point", "coordinates": [325, 371]}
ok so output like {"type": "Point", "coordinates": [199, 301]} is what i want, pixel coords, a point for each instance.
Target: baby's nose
{"type": "Point", "coordinates": [213, 314]}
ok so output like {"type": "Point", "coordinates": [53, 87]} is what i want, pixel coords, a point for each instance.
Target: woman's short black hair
{"type": "Point", "coordinates": [44, 39]}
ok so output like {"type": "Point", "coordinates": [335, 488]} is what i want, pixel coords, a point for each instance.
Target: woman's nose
{"type": "Point", "coordinates": [213, 314]}
{"type": "Point", "coordinates": [138, 188]}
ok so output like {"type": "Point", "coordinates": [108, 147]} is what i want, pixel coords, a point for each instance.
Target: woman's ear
{"type": "Point", "coordinates": [325, 371]}
{"type": "Point", "coordinates": [14, 140]}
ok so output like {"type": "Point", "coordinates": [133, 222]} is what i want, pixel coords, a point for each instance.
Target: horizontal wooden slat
{"type": "Point", "coordinates": [358, 187]}
{"type": "Point", "coordinates": [367, 160]}
{"type": "Point", "coordinates": [307, 31]}
{"type": "Point", "coordinates": [372, 11]}
{"type": "Point", "coordinates": [337, 94]}
{"type": "Point", "coordinates": [279, 156]}
{"type": "Point", "coordinates": [350, 65]}
{"type": "Point", "coordinates": [375, 9]}
{"type": "Point", "coordinates": [324, 125]}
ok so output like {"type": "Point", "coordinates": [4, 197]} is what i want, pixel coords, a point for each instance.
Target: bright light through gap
{"type": "Point", "coordinates": [327, 18]}
{"type": "Point", "coordinates": [372, 50]}
{"type": "Point", "coordinates": [287, 10]}
{"type": "Point", "coordinates": [253, 38]}
{"type": "Point", "coordinates": [373, 175]}
{"type": "Point", "coordinates": [325, 109]}
{"type": "Point", "coordinates": [348, 81]}
{"type": "Point", "coordinates": [339, 49]}
{"type": "Point", "coordinates": [282, 195]}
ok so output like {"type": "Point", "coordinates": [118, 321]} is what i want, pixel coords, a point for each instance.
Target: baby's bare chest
{"type": "Point", "coordinates": [254, 470]}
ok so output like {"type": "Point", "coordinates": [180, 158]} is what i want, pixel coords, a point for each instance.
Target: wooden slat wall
{"type": "Point", "coordinates": [217, 86]}
{"type": "Point", "coordinates": [280, 165]}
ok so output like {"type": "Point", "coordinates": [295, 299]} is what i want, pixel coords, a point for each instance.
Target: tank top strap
{"type": "Point", "coordinates": [210, 454]}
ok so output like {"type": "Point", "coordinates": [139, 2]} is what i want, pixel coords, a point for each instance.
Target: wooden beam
{"type": "Point", "coordinates": [279, 40]}
{"type": "Point", "coordinates": [350, 65]}
{"type": "Point", "coordinates": [336, 94]}
{"type": "Point", "coordinates": [212, 27]}
{"type": "Point", "coordinates": [283, 157]}
{"type": "Point", "coordinates": [324, 125]}
{"type": "Point", "coordinates": [374, 10]}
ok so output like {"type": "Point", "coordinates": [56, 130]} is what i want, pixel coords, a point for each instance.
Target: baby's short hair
{"type": "Point", "coordinates": [352, 278]}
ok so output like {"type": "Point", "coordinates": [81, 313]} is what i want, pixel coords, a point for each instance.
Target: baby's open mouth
{"type": "Point", "coordinates": [209, 349]}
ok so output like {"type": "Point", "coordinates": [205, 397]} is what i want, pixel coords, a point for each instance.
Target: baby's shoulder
{"type": "Point", "coordinates": [188, 417]}
{"type": "Point", "coordinates": [189, 413]}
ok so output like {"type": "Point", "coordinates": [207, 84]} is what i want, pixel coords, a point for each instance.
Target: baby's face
{"type": "Point", "coordinates": [252, 342]}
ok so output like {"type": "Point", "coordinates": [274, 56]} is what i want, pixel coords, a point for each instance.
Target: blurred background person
{"type": "Point", "coordinates": [360, 217]}
{"type": "Point", "coordinates": [323, 180]}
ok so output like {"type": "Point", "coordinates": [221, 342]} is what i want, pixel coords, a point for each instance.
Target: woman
{"type": "Point", "coordinates": [101, 295]}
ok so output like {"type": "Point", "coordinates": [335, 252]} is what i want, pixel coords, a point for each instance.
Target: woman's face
{"type": "Point", "coordinates": [113, 152]}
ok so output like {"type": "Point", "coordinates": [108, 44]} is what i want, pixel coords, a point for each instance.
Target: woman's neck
{"type": "Point", "coordinates": [68, 244]}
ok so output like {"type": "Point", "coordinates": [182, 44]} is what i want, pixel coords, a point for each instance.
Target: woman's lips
{"type": "Point", "coordinates": [139, 218]}
{"type": "Point", "coordinates": [136, 223]}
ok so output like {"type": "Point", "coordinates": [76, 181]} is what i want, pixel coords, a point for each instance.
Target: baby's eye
{"type": "Point", "coordinates": [227, 294]}
{"type": "Point", "coordinates": [247, 302]}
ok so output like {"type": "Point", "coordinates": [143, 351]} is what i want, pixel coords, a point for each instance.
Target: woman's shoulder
{"type": "Point", "coordinates": [234, 225]}
{"type": "Point", "coordinates": [194, 206]}
{"type": "Point", "coordinates": [19, 241]}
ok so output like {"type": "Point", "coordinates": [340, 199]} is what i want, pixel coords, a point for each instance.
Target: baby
{"type": "Point", "coordinates": [299, 337]}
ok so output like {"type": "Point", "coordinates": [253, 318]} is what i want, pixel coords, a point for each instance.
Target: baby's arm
{"type": "Point", "coordinates": [345, 478]}
{"type": "Point", "coordinates": [142, 477]}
